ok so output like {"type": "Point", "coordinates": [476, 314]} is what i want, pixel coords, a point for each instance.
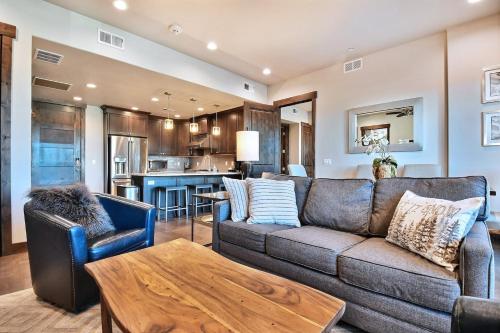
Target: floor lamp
{"type": "Point", "coordinates": [247, 149]}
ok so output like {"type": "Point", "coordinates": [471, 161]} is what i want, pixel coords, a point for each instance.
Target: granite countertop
{"type": "Point", "coordinates": [186, 173]}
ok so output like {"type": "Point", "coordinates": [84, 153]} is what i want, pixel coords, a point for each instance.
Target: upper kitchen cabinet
{"type": "Point", "coordinates": [183, 137]}
{"type": "Point", "coordinates": [229, 121]}
{"type": "Point", "coordinates": [161, 141]}
{"type": "Point", "coordinates": [121, 121]}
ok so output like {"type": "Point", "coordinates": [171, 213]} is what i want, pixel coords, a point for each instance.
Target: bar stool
{"type": "Point", "coordinates": [177, 207]}
{"type": "Point", "coordinates": [201, 188]}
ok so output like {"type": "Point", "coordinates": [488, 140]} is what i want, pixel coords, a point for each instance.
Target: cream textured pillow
{"type": "Point", "coordinates": [433, 228]}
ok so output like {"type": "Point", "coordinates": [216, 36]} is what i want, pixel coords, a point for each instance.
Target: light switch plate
{"type": "Point", "coordinates": [151, 182]}
{"type": "Point", "coordinates": [327, 161]}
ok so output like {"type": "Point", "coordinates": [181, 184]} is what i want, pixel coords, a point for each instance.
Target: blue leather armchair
{"type": "Point", "coordinates": [58, 249]}
{"type": "Point", "coordinates": [472, 314]}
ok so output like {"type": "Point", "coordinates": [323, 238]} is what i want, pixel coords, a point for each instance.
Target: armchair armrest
{"type": "Point", "coordinates": [57, 250]}
{"type": "Point", "coordinates": [221, 213]}
{"type": "Point", "coordinates": [128, 214]}
{"type": "Point", "coordinates": [476, 267]}
{"type": "Point", "coordinates": [471, 314]}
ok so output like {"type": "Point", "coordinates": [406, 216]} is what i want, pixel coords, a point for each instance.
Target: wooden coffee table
{"type": "Point", "coordinates": [186, 287]}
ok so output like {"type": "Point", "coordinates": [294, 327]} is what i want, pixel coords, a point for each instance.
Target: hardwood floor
{"type": "Point", "coordinates": [15, 272]}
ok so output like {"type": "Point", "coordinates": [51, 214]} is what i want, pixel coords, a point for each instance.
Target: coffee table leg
{"type": "Point", "coordinates": [105, 318]}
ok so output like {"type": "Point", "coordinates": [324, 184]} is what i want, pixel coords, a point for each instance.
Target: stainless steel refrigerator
{"type": "Point", "coordinates": [127, 155]}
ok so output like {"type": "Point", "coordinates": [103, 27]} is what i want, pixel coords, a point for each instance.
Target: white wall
{"type": "Point", "coordinates": [471, 47]}
{"type": "Point", "coordinates": [415, 69]}
{"type": "Point", "coordinates": [94, 154]}
{"type": "Point", "coordinates": [41, 19]}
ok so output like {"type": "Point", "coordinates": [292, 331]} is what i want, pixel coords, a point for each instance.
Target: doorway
{"type": "Point", "coordinates": [297, 131]}
{"type": "Point", "coordinates": [57, 144]}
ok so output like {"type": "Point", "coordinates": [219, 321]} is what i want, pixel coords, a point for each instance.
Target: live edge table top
{"type": "Point", "coordinates": [185, 287]}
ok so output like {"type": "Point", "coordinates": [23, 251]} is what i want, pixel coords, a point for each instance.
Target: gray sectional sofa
{"type": "Point", "coordinates": [340, 249]}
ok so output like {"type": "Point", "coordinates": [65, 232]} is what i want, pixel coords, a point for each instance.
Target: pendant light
{"type": "Point", "coordinates": [216, 129]}
{"type": "Point", "coordinates": [169, 123]}
{"type": "Point", "coordinates": [193, 127]}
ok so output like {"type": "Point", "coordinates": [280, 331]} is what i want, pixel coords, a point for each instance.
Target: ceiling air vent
{"type": "Point", "coordinates": [48, 56]}
{"type": "Point", "coordinates": [353, 65]}
{"type": "Point", "coordinates": [111, 39]}
{"type": "Point", "coordinates": [41, 82]}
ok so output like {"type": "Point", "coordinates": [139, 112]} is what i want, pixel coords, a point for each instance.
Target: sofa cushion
{"type": "Point", "coordinates": [302, 187]}
{"type": "Point", "coordinates": [387, 269]}
{"type": "Point", "coordinates": [340, 204]}
{"type": "Point", "coordinates": [389, 191]}
{"type": "Point", "coordinates": [115, 242]}
{"type": "Point", "coordinates": [313, 247]}
{"type": "Point", "coordinates": [249, 236]}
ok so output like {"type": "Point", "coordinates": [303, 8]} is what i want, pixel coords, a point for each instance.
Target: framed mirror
{"type": "Point", "coordinates": [400, 122]}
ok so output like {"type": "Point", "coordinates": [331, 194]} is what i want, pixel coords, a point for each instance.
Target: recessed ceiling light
{"type": "Point", "coordinates": [266, 71]}
{"type": "Point", "coordinates": [177, 116]}
{"type": "Point", "coordinates": [473, 1]}
{"type": "Point", "coordinates": [91, 85]}
{"type": "Point", "coordinates": [120, 4]}
{"type": "Point", "coordinates": [77, 98]}
{"type": "Point", "coordinates": [212, 46]}
{"type": "Point", "coordinates": [201, 109]}
{"type": "Point", "coordinates": [135, 108]}
{"type": "Point", "coordinates": [154, 99]}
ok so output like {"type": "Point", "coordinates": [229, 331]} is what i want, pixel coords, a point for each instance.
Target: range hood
{"type": "Point", "coordinates": [201, 141]}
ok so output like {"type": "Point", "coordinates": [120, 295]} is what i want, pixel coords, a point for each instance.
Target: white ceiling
{"type": "Point", "coordinates": [121, 84]}
{"type": "Point", "coordinates": [292, 37]}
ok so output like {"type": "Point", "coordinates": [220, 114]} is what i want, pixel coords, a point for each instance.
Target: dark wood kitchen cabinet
{"type": "Point", "coordinates": [119, 121]}
{"type": "Point", "coordinates": [230, 122]}
{"type": "Point", "coordinates": [154, 136]}
{"type": "Point", "coordinates": [161, 141]}
{"type": "Point", "coordinates": [183, 137]}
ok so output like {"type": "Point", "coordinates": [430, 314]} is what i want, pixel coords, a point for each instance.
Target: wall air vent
{"type": "Point", "coordinates": [248, 87]}
{"type": "Point", "coordinates": [48, 56]}
{"type": "Point", "coordinates": [111, 39]}
{"type": "Point", "coordinates": [353, 65]}
{"type": "Point", "coordinates": [41, 82]}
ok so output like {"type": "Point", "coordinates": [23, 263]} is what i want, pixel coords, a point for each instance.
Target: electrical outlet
{"type": "Point", "coordinates": [327, 161]}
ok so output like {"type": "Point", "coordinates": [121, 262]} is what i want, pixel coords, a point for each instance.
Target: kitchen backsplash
{"type": "Point", "coordinates": [207, 162]}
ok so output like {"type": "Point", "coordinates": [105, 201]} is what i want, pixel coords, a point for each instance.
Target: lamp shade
{"type": "Point", "coordinates": [247, 146]}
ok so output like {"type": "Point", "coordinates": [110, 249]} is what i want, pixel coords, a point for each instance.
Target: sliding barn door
{"type": "Point", "coordinates": [56, 145]}
{"type": "Point", "coordinates": [266, 120]}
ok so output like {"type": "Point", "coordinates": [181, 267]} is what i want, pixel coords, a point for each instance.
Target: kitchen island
{"type": "Point", "coordinates": [147, 182]}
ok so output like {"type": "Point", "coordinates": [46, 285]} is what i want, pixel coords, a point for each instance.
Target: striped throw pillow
{"type": "Point", "coordinates": [238, 198]}
{"type": "Point", "coordinates": [272, 202]}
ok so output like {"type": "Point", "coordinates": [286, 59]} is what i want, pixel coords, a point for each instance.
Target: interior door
{"type": "Point", "coordinates": [307, 157]}
{"type": "Point", "coordinates": [56, 145]}
{"type": "Point", "coordinates": [285, 150]}
{"type": "Point", "coordinates": [266, 120]}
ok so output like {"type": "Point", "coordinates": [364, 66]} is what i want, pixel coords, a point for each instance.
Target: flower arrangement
{"type": "Point", "coordinates": [384, 166]}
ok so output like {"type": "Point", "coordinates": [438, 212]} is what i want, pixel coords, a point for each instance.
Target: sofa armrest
{"type": "Point", "coordinates": [476, 267]}
{"type": "Point", "coordinates": [471, 314]}
{"type": "Point", "coordinates": [221, 213]}
{"type": "Point", "coordinates": [57, 250]}
{"type": "Point", "coordinates": [128, 214]}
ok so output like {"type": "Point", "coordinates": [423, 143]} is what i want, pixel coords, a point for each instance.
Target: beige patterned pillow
{"type": "Point", "coordinates": [433, 228]}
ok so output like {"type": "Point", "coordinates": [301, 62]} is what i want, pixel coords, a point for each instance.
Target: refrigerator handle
{"type": "Point", "coordinates": [129, 153]}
